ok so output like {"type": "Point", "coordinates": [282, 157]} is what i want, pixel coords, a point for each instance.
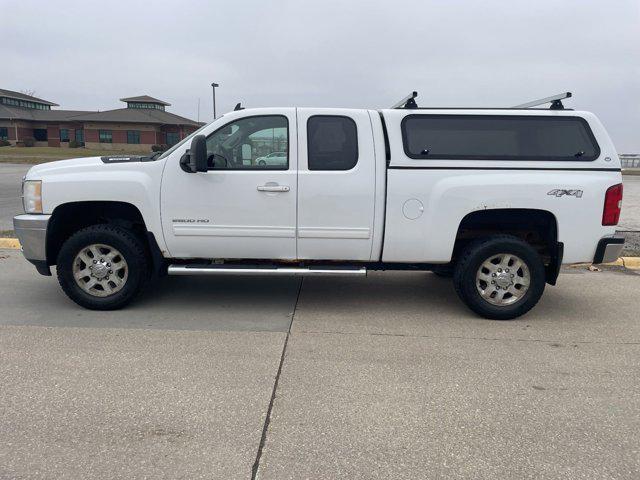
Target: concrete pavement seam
{"type": "Point", "coordinates": [267, 420]}
{"type": "Point", "coordinates": [456, 337]}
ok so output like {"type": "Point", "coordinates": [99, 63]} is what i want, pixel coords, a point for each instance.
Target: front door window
{"type": "Point", "coordinates": [252, 143]}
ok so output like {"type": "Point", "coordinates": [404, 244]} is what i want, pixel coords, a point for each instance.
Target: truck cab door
{"type": "Point", "coordinates": [241, 207]}
{"type": "Point", "coordinates": [336, 185]}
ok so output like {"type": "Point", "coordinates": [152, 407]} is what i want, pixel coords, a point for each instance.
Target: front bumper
{"type": "Point", "coordinates": [608, 249]}
{"type": "Point", "coordinates": [32, 233]}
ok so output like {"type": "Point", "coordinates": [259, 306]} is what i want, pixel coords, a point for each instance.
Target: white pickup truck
{"type": "Point", "coordinates": [496, 198]}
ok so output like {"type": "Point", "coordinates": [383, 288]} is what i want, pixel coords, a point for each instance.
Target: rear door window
{"type": "Point", "coordinates": [495, 137]}
{"type": "Point", "coordinates": [332, 142]}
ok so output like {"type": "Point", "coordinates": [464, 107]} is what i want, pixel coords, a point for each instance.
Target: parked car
{"type": "Point", "coordinates": [497, 198]}
{"type": "Point", "coordinates": [275, 158]}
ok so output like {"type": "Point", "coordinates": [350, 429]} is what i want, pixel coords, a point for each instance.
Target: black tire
{"type": "Point", "coordinates": [132, 250]}
{"type": "Point", "coordinates": [473, 256]}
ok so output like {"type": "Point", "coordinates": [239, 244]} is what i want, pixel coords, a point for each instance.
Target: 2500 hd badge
{"type": "Point", "coordinates": [190, 220]}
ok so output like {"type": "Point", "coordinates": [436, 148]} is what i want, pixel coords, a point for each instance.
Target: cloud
{"type": "Point", "coordinates": [87, 55]}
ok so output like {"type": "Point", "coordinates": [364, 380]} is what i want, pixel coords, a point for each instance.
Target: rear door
{"type": "Point", "coordinates": [336, 185]}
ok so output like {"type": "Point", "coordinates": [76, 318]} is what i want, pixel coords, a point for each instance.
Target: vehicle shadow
{"type": "Point", "coordinates": [389, 298]}
{"type": "Point", "coordinates": [409, 303]}
{"type": "Point", "coordinates": [180, 303]}
{"type": "Point", "coordinates": [229, 291]}
{"type": "Point", "coordinates": [415, 303]}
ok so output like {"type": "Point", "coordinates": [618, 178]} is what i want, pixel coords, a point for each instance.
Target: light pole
{"type": "Point", "coordinates": [213, 86]}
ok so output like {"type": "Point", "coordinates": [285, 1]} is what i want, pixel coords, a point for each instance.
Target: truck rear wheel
{"type": "Point", "coordinates": [102, 267]}
{"type": "Point", "coordinates": [500, 278]}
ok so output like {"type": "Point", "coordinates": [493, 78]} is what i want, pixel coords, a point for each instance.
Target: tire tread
{"type": "Point", "coordinates": [460, 276]}
{"type": "Point", "coordinates": [132, 242]}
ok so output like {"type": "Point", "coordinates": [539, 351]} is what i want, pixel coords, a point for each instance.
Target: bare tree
{"type": "Point", "coordinates": [31, 93]}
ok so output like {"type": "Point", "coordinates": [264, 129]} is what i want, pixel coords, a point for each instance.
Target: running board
{"type": "Point", "coordinates": [266, 270]}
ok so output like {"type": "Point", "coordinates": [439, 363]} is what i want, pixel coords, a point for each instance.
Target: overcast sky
{"type": "Point", "coordinates": [86, 54]}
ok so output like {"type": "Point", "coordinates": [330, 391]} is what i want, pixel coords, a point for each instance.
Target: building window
{"type": "Point", "coordinates": [146, 106]}
{"type": "Point", "coordinates": [133, 136]}
{"type": "Point", "coordinates": [64, 134]}
{"type": "Point", "coordinates": [105, 136]}
{"type": "Point", "coordinates": [173, 138]}
{"type": "Point", "coordinates": [4, 133]}
{"type": "Point", "coordinates": [23, 103]}
{"type": "Point", "coordinates": [79, 135]}
{"type": "Point", "coordinates": [40, 134]}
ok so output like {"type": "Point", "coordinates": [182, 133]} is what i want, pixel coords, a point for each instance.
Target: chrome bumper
{"type": "Point", "coordinates": [609, 249]}
{"type": "Point", "coordinates": [32, 233]}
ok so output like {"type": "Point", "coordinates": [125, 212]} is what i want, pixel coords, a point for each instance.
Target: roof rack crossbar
{"type": "Point", "coordinates": [407, 102]}
{"type": "Point", "coordinates": [554, 100]}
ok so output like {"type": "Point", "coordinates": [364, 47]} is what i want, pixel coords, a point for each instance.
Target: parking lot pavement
{"type": "Point", "coordinates": [630, 216]}
{"type": "Point", "coordinates": [10, 194]}
{"type": "Point", "coordinates": [393, 378]}
{"type": "Point", "coordinates": [112, 403]}
{"type": "Point", "coordinates": [366, 406]}
{"type": "Point", "coordinates": [178, 386]}
{"type": "Point", "coordinates": [584, 307]}
{"type": "Point", "coordinates": [176, 303]}
{"type": "Point", "coordinates": [387, 376]}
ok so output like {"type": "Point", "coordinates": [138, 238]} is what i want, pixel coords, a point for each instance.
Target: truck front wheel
{"type": "Point", "coordinates": [500, 277]}
{"type": "Point", "coordinates": [102, 267]}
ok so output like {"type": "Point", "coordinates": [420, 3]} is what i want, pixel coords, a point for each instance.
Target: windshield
{"type": "Point", "coordinates": [179, 144]}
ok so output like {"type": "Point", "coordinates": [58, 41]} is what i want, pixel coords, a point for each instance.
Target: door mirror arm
{"type": "Point", "coordinates": [185, 163]}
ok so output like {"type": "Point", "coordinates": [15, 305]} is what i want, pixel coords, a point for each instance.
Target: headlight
{"type": "Point", "coordinates": [32, 196]}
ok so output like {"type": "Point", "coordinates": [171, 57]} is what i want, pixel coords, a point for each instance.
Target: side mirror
{"type": "Point", "coordinates": [195, 159]}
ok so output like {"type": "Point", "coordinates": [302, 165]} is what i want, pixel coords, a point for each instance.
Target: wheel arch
{"type": "Point", "coordinates": [68, 218]}
{"type": "Point", "coordinates": [537, 227]}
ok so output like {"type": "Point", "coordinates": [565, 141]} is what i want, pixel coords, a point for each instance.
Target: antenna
{"type": "Point", "coordinates": [407, 102]}
{"type": "Point", "coordinates": [238, 106]}
{"type": "Point", "coordinates": [554, 100]}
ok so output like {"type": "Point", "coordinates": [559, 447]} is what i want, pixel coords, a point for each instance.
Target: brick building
{"type": "Point", "coordinates": [143, 123]}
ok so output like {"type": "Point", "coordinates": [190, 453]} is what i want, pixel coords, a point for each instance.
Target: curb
{"type": "Point", "coordinates": [12, 243]}
{"type": "Point", "coordinates": [632, 263]}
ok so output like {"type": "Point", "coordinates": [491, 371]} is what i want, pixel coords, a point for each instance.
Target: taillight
{"type": "Point", "coordinates": [612, 205]}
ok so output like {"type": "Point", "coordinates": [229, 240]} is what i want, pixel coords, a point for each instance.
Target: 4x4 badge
{"type": "Point", "coordinates": [560, 193]}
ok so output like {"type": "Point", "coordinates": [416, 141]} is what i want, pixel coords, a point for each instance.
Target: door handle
{"type": "Point", "coordinates": [273, 188]}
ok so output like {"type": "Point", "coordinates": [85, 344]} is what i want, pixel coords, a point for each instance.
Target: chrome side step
{"type": "Point", "coordinates": [259, 270]}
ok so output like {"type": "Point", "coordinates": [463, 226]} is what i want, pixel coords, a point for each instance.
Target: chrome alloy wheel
{"type": "Point", "coordinates": [100, 270]}
{"type": "Point", "coordinates": [503, 279]}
